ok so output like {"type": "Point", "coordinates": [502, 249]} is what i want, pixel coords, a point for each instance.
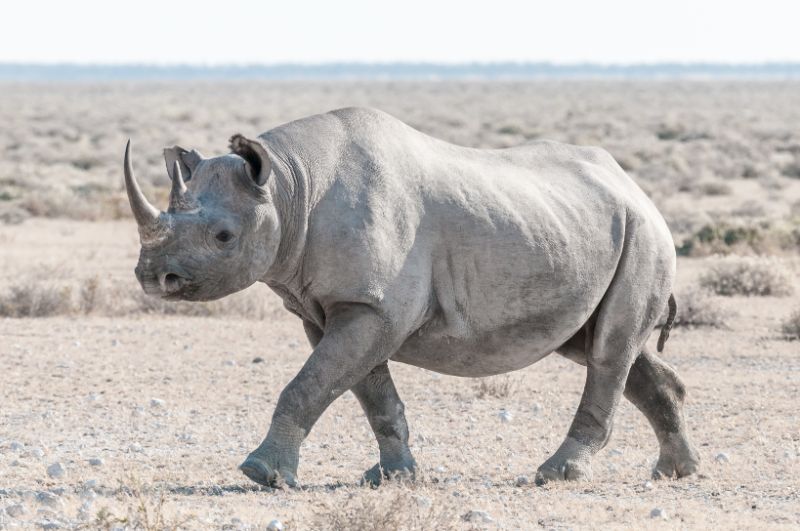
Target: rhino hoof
{"type": "Point", "coordinates": [569, 470]}
{"type": "Point", "coordinates": [669, 468]}
{"type": "Point", "coordinates": [260, 472]}
{"type": "Point", "coordinates": [375, 475]}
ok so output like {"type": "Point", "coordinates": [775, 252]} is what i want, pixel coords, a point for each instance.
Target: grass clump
{"type": "Point", "coordinates": [495, 387]}
{"type": "Point", "coordinates": [696, 307]}
{"type": "Point", "coordinates": [748, 275]}
{"type": "Point", "coordinates": [791, 326]}
{"type": "Point", "coordinates": [726, 238]}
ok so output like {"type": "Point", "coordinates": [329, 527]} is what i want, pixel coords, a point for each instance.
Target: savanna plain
{"type": "Point", "coordinates": [119, 411]}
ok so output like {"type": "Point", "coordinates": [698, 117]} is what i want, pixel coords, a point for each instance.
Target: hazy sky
{"type": "Point", "coordinates": [239, 31]}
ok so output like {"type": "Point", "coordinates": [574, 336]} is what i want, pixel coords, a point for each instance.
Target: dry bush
{"type": "Point", "coordinates": [145, 509]}
{"type": "Point", "coordinates": [727, 238]}
{"type": "Point", "coordinates": [495, 386]}
{"type": "Point", "coordinates": [696, 307]}
{"type": "Point", "coordinates": [386, 509]}
{"type": "Point", "coordinates": [33, 299]}
{"type": "Point", "coordinates": [791, 326]}
{"type": "Point", "coordinates": [715, 187]}
{"type": "Point", "coordinates": [747, 275]}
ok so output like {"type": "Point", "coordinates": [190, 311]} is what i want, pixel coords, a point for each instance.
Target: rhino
{"type": "Point", "coordinates": [390, 244]}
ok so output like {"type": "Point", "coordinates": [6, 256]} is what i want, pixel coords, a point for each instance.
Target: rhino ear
{"type": "Point", "coordinates": [255, 155]}
{"type": "Point", "coordinates": [187, 160]}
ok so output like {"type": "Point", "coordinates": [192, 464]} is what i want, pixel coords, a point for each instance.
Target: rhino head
{"type": "Point", "coordinates": [221, 231]}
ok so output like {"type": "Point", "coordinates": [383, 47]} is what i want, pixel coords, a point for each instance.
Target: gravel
{"type": "Point", "coordinates": [56, 470]}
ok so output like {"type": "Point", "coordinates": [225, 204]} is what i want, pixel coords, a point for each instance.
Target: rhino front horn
{"type": "Point", "coordinates": [146, 215]}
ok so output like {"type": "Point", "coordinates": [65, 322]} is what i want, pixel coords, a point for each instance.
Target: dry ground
{"type": "Point", "coordinates": [171, 404]}
{"type": "Point", "coordinates": [82, 387]}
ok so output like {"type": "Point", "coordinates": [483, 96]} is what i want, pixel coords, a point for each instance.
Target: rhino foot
{"type": "Point", "coordinates": [678, 459]}
{"type": "Point", "coordinates": [570, 463]}
{"type": "Point", "coordinates": [375, 475]}
{"type": "Point", "coordinates": [258, 470]}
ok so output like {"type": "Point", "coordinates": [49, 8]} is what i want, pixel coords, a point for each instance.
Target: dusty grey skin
{"type": "Point", "coordinates": [392, 245]}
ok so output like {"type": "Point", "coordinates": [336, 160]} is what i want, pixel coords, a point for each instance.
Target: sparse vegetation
{"type": "Point", "coordinates": [726, 238]}
{"type": "Point", "coordinates": [748, 275]}
{"type": "Point", "coordinates": [389, 508]}
{"type": "Point", "coordinates": [791, 326]}
{"type": "Point", "coordinates": [696, 307]}
{"type": "Point", "coordinates": [495, 386]}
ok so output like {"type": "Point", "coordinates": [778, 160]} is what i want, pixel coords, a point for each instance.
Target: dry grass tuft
{"type": "Point", "coordinates": [495, 387]}
{"type": "Point", "coordinates": [144, 509]}
{"type": "Point", "coordinates": [696, 307]}
{"type": "Point", "coordinates": [791, 326]}
{"type": "Point", "coordinates": [748, 275]}
{"type": "Point", "coordinates": [386, 509]}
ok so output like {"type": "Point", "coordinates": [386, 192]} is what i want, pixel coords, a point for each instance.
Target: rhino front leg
{"type": "Point", "coordinates": [385, 412]}
{"type": "Point", "coordinates": [356, 338]}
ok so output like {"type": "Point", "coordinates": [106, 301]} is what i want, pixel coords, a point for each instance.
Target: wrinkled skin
{"type": "Point", "coordinates": [392, 245]}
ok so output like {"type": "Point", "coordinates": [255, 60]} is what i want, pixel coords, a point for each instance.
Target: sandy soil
{"type": "Point", "coordinates": [171, 405]}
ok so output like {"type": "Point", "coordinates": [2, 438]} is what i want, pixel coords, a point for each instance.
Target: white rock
{"type": "Point", "coordinates": [616, 452]}
{"type": "Point", "coordinates": [16, 446]}
{"type": "Point", "coordinates": [440, 469]}
{"type": "Point", "coordinates": [477, 517]}
{"type": "Point", "coordinates": [16, 510]}
{"type": "Point", "coordinates": [659, 513]}
{"type": "Point", "coordinates": [498, 437]}
{"type": "Point", "coordinates": [76, 343]}
{"type": "Point", "coordinates": [648, 485]}
{"type": "Point", "coordinates": [722, 457]}
{"type": "Point", "coordinates": [522, 481]}
{"type": "Point", "coordinates": [156, 402]}
{"type": "Point", "coordinates": [37, 452]}
{"type": "Point", "coordinates": [229, 363]}
{"type": "Point", "coordinates": [135, 448]}
{"type": "Point", "coordinates": [505, 416]}
{"type": "Point", "coordinates": [90, 484]}
{"type": "Point", "coordinates": [56, 470]}
{"type": "Point", "coordinates": [96, 461]}
{"type": "Point", "coordinates": [275, 525]}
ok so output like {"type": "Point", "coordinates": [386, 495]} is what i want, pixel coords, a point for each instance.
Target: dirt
{"type": "Point", "coordinates": [171, 405]}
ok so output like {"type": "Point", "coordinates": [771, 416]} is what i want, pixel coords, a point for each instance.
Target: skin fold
{"type": "Point", "coordinates": [392, 245]}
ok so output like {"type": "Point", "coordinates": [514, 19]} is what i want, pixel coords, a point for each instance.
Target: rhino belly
{"type": "Point", "coordinates": [485, 353]}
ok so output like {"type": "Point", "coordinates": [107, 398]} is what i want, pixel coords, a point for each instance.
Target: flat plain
{"type": "Point", "coordinates": [120, 411]}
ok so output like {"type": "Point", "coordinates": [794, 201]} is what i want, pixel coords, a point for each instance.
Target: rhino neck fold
{"type": "Point", "coordinates": [291, 192]}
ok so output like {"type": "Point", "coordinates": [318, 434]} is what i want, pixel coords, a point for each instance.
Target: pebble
{"type": "Point", "coordinates": [440, 469]}
{"type": "Point", "coordinates": [537, 407]}
{"type": "Point", "coordinates": [96, 461]}
{"type": "Point", "coordinates": [56, 470]}
{"type": "Point", "coordinates": [722, 457]}
{"type": "Point", "coordinates": [294, 344]}
{"type": "Point", "coordinates": [275, 525]}
{"type": "Point", "coordinates": [616, 452]}
{"type": "Point", "coordinates": [229, 363]}
{"type": "Point", "coordinates": [16, 446]}
{"type": "Point", "coordinates": [16, 510]}
{"type": "Point", "coordinates": [136, 448]}
{"type": "Point", "coordinates": [156, 402]}
{"type": "Point", "coordinates": [37, 452]}
{"type": "Point", "coordinates": [498, 437]}
{"type": "Point", "coordinates": [90, 484]}
{"type": "Point", "coordinates": [506, 416]}
{"type": "Point", "coordinates": [423, 501]}
{"type": "Point", "coordinates": [658, 512]}
{"type": "Point", "coordinates": [522, 481]}
{"type": "Point", "coordinates": [258, 359]}
{"type": "Point", "coordinates": [477, 517]}
{"type": "Point", "coordinates": [115, 342]}
{"type": "Point", "coordinates": [48, 499]}
{"type": "Point", "coordinates": [648, 485]}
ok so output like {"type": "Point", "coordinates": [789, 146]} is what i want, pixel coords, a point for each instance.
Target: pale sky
{"type": "Point", "coordinates": [242, 31]}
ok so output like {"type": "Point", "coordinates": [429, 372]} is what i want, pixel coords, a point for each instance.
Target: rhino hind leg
{"type": "Point", "coordinates": [657, 391]}
{"type": "Point", "coordinates": [613, 340]}
{"type": "Point", "coordinates": [385, 412]}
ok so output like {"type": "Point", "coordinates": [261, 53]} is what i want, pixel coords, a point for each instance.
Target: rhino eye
{"type": "Point", "coordinates": [224, 236]}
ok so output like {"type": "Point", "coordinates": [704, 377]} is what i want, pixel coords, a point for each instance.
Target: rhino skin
{"type": "Point", "coordinates": [392, 245]}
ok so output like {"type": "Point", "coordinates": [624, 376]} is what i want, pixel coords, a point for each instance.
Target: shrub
{"type": "Point", "coordinates": [696, 307]}
{"type": "Point", "coordinates": [747, 275]}
{"type": "Point", "coordinates": [725, 238]}
{"type": "Point", "coordinates": [791, 326]}
{"type": "Point", "coordinates": [497, 387]}
{"type": "Point", "coordinates": [33, 299]}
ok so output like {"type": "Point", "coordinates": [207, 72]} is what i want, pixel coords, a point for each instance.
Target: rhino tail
{"type": "Point", "coordinates": [673, 309]}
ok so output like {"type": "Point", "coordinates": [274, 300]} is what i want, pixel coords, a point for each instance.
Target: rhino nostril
{"type": "Point", "coordinates": [172, 282]}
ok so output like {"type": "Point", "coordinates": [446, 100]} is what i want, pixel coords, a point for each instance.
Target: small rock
{"type": "Point", "coordinates": [275, 525]}
{"type": "Point", "coordinates": [16, 510]}
{"type": "Point", "coordinates": [229, 363]}
{"type": "Point", "coordinates": [659, 513]}
{"type": "Point", "coordinates": [115, 342]}
{"type": "Point", "coordinates": [156, 402]}
{"type": "Point", "coordinates": [522, 481]}
{"type": "Point", "coordinates": [477, 517]}
{"type": "Point", "coordinates": [616, 452]}
{"type": "Point", "coordinates": [56, 470]}
{"type": "Point", "coordinates": [505, 416]}
{"type": "Point", "coordinates": [537, 407]}
{"type": "Point", "coordinates": [498, 437]}
{"type": "Point", "coordinates": [37, 452]}
{"type": "Point", "coordinates": [648, 485]}
{"type": "Point", "coordinates": [294, 344]}
{"type": "Point", "coordinates": [48, 499]}
{"type": "Point", "coordinates": [96, 461]}
{"type": "Point", "coordinates": [137, 448]}
{"type": "Point", "coordinates": [423, 501]}
{"type": "Point", "coordinates": [50, 524]}
{"type": "Point", "coordinates": [90, 484]}
{"type": "Point", "coordinates": [76, 343]}
{"type": "Point", "coordinates": [440, 469]}
{"type": "Point", "coordinates": [94, 397]}
{"type": "Point", "coordinates": [258, 359]}
{"type": "Point", "coordinates": [722, 457]}
{"type": "Point", "coordinates": [16, 446]}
